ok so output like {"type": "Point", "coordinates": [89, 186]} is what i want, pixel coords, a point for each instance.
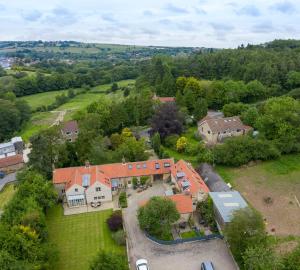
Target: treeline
{"type": "Point", "coordinates": [271, 64]}
{"type": "Point", "coordinates": [23, 230]}
{"type": "Point", "coordinates": [13, 115]}
{"type": "Point", "coordinates": [64, 78]}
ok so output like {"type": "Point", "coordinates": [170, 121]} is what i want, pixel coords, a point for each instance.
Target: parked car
{"type": "Point", "coordinates": [142, 264]}
{"type": "Point", "coordinates": [2, 174]}
{"type": "Point", "coordinates": [207, 266]}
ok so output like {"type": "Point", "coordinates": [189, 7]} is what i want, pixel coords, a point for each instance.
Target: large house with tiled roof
{"type": "Point", "coordinates": [216, 129]}
{"type": "Point", "coordinates": [93, 184]}
{"type": "Point", "coordinates": [188, 181]}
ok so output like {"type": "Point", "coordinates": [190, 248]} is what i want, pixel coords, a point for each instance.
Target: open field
{"type": "Point", "coordinates": [79, 237]}
{"type": "Point", "coordinates": [42, 120]}
{"type": "Point", "coordinates": [272, 188]}
{"type": "Point", "coordinates": [6, 194]}
{"type": "Point", "coordinates": [42, 99]}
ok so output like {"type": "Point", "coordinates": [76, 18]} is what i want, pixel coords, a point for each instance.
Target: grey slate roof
{"type": "Point", "coordinates": [227, 203]}
{"type": "Point", "coordinates": [213, 180]}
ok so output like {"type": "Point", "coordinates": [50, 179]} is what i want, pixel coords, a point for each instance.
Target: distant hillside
{"type": "Point", "coordinates": [39, 50]}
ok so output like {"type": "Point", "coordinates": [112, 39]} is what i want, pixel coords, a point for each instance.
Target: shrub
{"type": "Point", "coordinates": [144, 180]}
{"type": "Point", "coordinates": [181, 144]}
{"type": "Point", "coordinates": [123, 199]}
{"type": "Point", "coordinates": [134, 182]}
{"type": "Point", "coordinates": [119, 237]}
{"type": "Point", "coordinates": [109, 261]}
{"type": "Point", "coordinates": [115, 221]}
{"type": "Point", "coordinates": [171, 140]}
{"type": "Point", "coordinates": [240, 150]}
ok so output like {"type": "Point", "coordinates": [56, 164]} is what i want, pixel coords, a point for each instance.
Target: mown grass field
{"type": "Point", "coordinates": [278, 180]}
{"type": "Point", "coordinates": [42, 99]}
{"type": "Point", "coordinates": [42, 120]}
{"type": "Point", "coordinates": [79, 237]}
{"type": "Point", "coordinates": [6, 194]}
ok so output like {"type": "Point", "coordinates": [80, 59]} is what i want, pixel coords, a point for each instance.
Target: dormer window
{"type": "Point", "coordinates": [86, 180]}
{"type": "Point", "coordinates": [144, 165]}
{"type": "Point", "coordinates": [157, 166]}
{"type": "Point", "coordinates": [138, 166]}
{"type": "Point", "coordinates": [167, 164]}
{"type": "Point", "coordinates": [129, 166]}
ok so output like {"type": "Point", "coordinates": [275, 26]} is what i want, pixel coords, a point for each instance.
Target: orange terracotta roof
{"type": "Point", "coordinates": [184, 203]}
{"type": "Point", "coordinates": [10, 161]}
{"type": "Point", "coordinates": [196, 182]}
{"type": "Point", "coordinates": [104, 173]}
{"type": "Point", "coordinates": [164, 99]}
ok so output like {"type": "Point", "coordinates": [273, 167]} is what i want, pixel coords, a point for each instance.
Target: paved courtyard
{"type": "Point", "coordinates": [161, 257]}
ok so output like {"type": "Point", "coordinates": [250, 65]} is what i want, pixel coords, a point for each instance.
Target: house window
{"type": "Point", "coordinates": [202, 129]}
{"type": "Point", "coordinates": [129, 182]}
{"type": "Point", "coordinates": [238, 130]}
{"type": "Point", "coordinates": [68, 132]}
{"type": "Point", "coordinates": [167, 164]}
{"type": "Point", "coordinates": [63, 191]}
{"type": "Point", "coordinates": [70, 140]}
{"type": "Point", "coordinates": [98, 188]}
{"type": "Point", "coordinates": [95, 198]}
{"type": "Point", "coordinates": [208, 131]}
{"type": "Point", "coordinates": [102, 197]}
{"type": "Point", "coordinates": [157, 166]}
{"type": "Point", "coordinates": [224, 132]}
{"type": "Point", "coordinates": [76, 189]}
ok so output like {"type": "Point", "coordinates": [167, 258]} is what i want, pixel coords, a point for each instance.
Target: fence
{"type": "Point", "coordinates": [179, 241]}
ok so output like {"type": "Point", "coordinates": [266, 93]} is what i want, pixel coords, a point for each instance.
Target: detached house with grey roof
{"type": "Point", "coordinates": [215, 129]}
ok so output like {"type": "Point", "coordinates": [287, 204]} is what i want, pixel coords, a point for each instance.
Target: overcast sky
{"type": "Point", "coordinates": [208, 23]}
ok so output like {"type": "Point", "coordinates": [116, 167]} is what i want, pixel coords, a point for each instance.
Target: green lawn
{"type": "Point", "coordinates": [6, 194]}
{"type": "Point", "coordinates": [79, 237]}
{"type": "Point", "coordinates": [188, 234]}
{"type": "Point", "coordinates": [41, 99]}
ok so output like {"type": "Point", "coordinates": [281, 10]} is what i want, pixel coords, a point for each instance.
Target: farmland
{"type": "Point", "coordinates": [273, 188]}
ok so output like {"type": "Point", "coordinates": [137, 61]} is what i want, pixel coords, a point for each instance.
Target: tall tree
{"type": "Point", "coordinates": [167, 120]}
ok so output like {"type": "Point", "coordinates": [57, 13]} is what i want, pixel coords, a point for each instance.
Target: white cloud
{"type": "Point", "coordinates": [214, 23]}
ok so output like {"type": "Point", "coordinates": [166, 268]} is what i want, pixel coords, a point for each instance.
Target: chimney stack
{"type": "Point", "coordinates": [87, 164]}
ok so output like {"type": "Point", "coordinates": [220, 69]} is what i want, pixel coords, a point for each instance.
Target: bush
{"type": "Point", "coordinates": [123, 199]}
{"type": "Point", "coordinates": [119, 237]}
{"type": "Point", "coordinates": [192, 149]}
{"type": "Point", "coordinates": [115, 221]}
{"type": "Point", "coordinates": [109, 261]}
{"type": "Point", "coordinates": [144, 180]}
{"type": "Point", "coordinates": [171, 141]}
{"type": "Point", "coordinates": [240, 150]}
{"type": "Point", "coordinates": [134, 182]}
{"type": "Point", "coordinates": [181, 144]}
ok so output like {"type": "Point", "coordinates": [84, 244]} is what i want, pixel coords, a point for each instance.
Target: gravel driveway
{"type": "Point", "coordinates": [187, 256]}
